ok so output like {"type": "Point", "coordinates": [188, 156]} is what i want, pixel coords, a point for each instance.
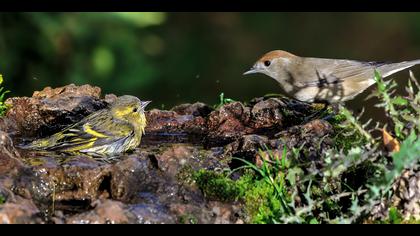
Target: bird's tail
{"type": "Point", "coordinates": [389, 69]}
{"type": "Point", "coordinates": [36, 144]}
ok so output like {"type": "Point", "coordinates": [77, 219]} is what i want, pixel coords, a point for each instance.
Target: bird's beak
{"type": "Point", "coordinates": [144, 104]}
{"type": "Point", "coordinates": [255, 69]}
{"type": "Point", "coordinates": [251, 71]}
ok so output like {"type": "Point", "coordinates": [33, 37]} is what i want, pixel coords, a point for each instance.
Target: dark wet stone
{"type": "Point", "coordinates": [68, 91]}
{"type": "Point", "coordinates": [211, 213]}
{"type": "Point", "coordinates": [9, 157]}
{"type": "Point", "coordinates": [75, 182]}
{"type": "Point", "coordinates": [165, 121]}
{"type": "Point", "coordinates": [175, 157]}
{"type": "Point", "coordinates": [23, 118]}
{"type": "Point", "coordinates": [169, 126]}
{"type": "Point", "coordinates": [174, 165]}
{"type": "Point", "coordinates": [195, 109]}
{"type": "Point", "coordinates": [50, 110]}
{"type": "Point", "coordinates": [132, 176]}
{"type": "Point", "coordinates": [268, 114]}
{"type": "Point", "coordinates": [247, 146]}
{"type": "Point", "coordinates": [18, 210]}
{"type": "Point", "coordinates": [18, 207]}
{"type": "Point", "coordinates": [304, 133]}
{"type": "Point", "coordinates": [293, 111]}
{"type": "Point", "coordinates": [314, 137]}
{"type": "Point", "coordinates": [114, 212]}
{"type": "Point", "coordinates": [151, 214]}
{"type": "Point", "coordinates": [196, 128]}
{"type": "Point", "coordinates": [104, 212]}
{"type": "Point", "coordinates": [80, 180]}
{"type": "Point", "coordinates": [228, 123]}
{"type": "Point", "coordinates": [15, 176]}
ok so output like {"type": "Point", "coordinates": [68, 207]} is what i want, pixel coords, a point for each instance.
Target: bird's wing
{"type": "Point", "coordinates": [330, 71]}
{"type": "Point", "coordinates": [96, 129]}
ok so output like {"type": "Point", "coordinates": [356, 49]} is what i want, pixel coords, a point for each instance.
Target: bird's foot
{"type": "Point", "coordinates": [323, 113]}
{"type": "Point", "coordinates": [315, 114]}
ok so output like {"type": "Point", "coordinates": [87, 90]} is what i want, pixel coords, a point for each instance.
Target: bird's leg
{"type": "Point", "coordinates": [317, 113]}
{"type": "Point", "coordinates": [336, 109]}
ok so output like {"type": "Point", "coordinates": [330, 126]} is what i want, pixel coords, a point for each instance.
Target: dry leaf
{"type": "Point", "coordinates": [265, 155]}
{"type": "Point", "coordinates": [391, 144]}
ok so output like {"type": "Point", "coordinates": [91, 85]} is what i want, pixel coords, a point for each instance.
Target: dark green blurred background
{"type": "Point", "coordinates": [172, 58]}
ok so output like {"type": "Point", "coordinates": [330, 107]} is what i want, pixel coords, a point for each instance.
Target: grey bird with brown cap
{"type": "Point", "coordinates": [311, 79]}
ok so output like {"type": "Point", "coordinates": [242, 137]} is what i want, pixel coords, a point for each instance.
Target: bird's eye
{"type": "Point", "coordinates": [267, 63]}
{"type": "Point", "coordinates": [135, 109]}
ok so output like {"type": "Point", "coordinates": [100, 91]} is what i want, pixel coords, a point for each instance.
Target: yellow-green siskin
{"type": "Point", "coordinates": [112, 130]}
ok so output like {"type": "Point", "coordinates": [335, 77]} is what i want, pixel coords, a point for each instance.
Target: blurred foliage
{"type": "Point", "coordinates": [171, 58]}
{"type": "Point", "coordinates": [110, 50]}
{"type": "Point", "coordinates": [3, 107]}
